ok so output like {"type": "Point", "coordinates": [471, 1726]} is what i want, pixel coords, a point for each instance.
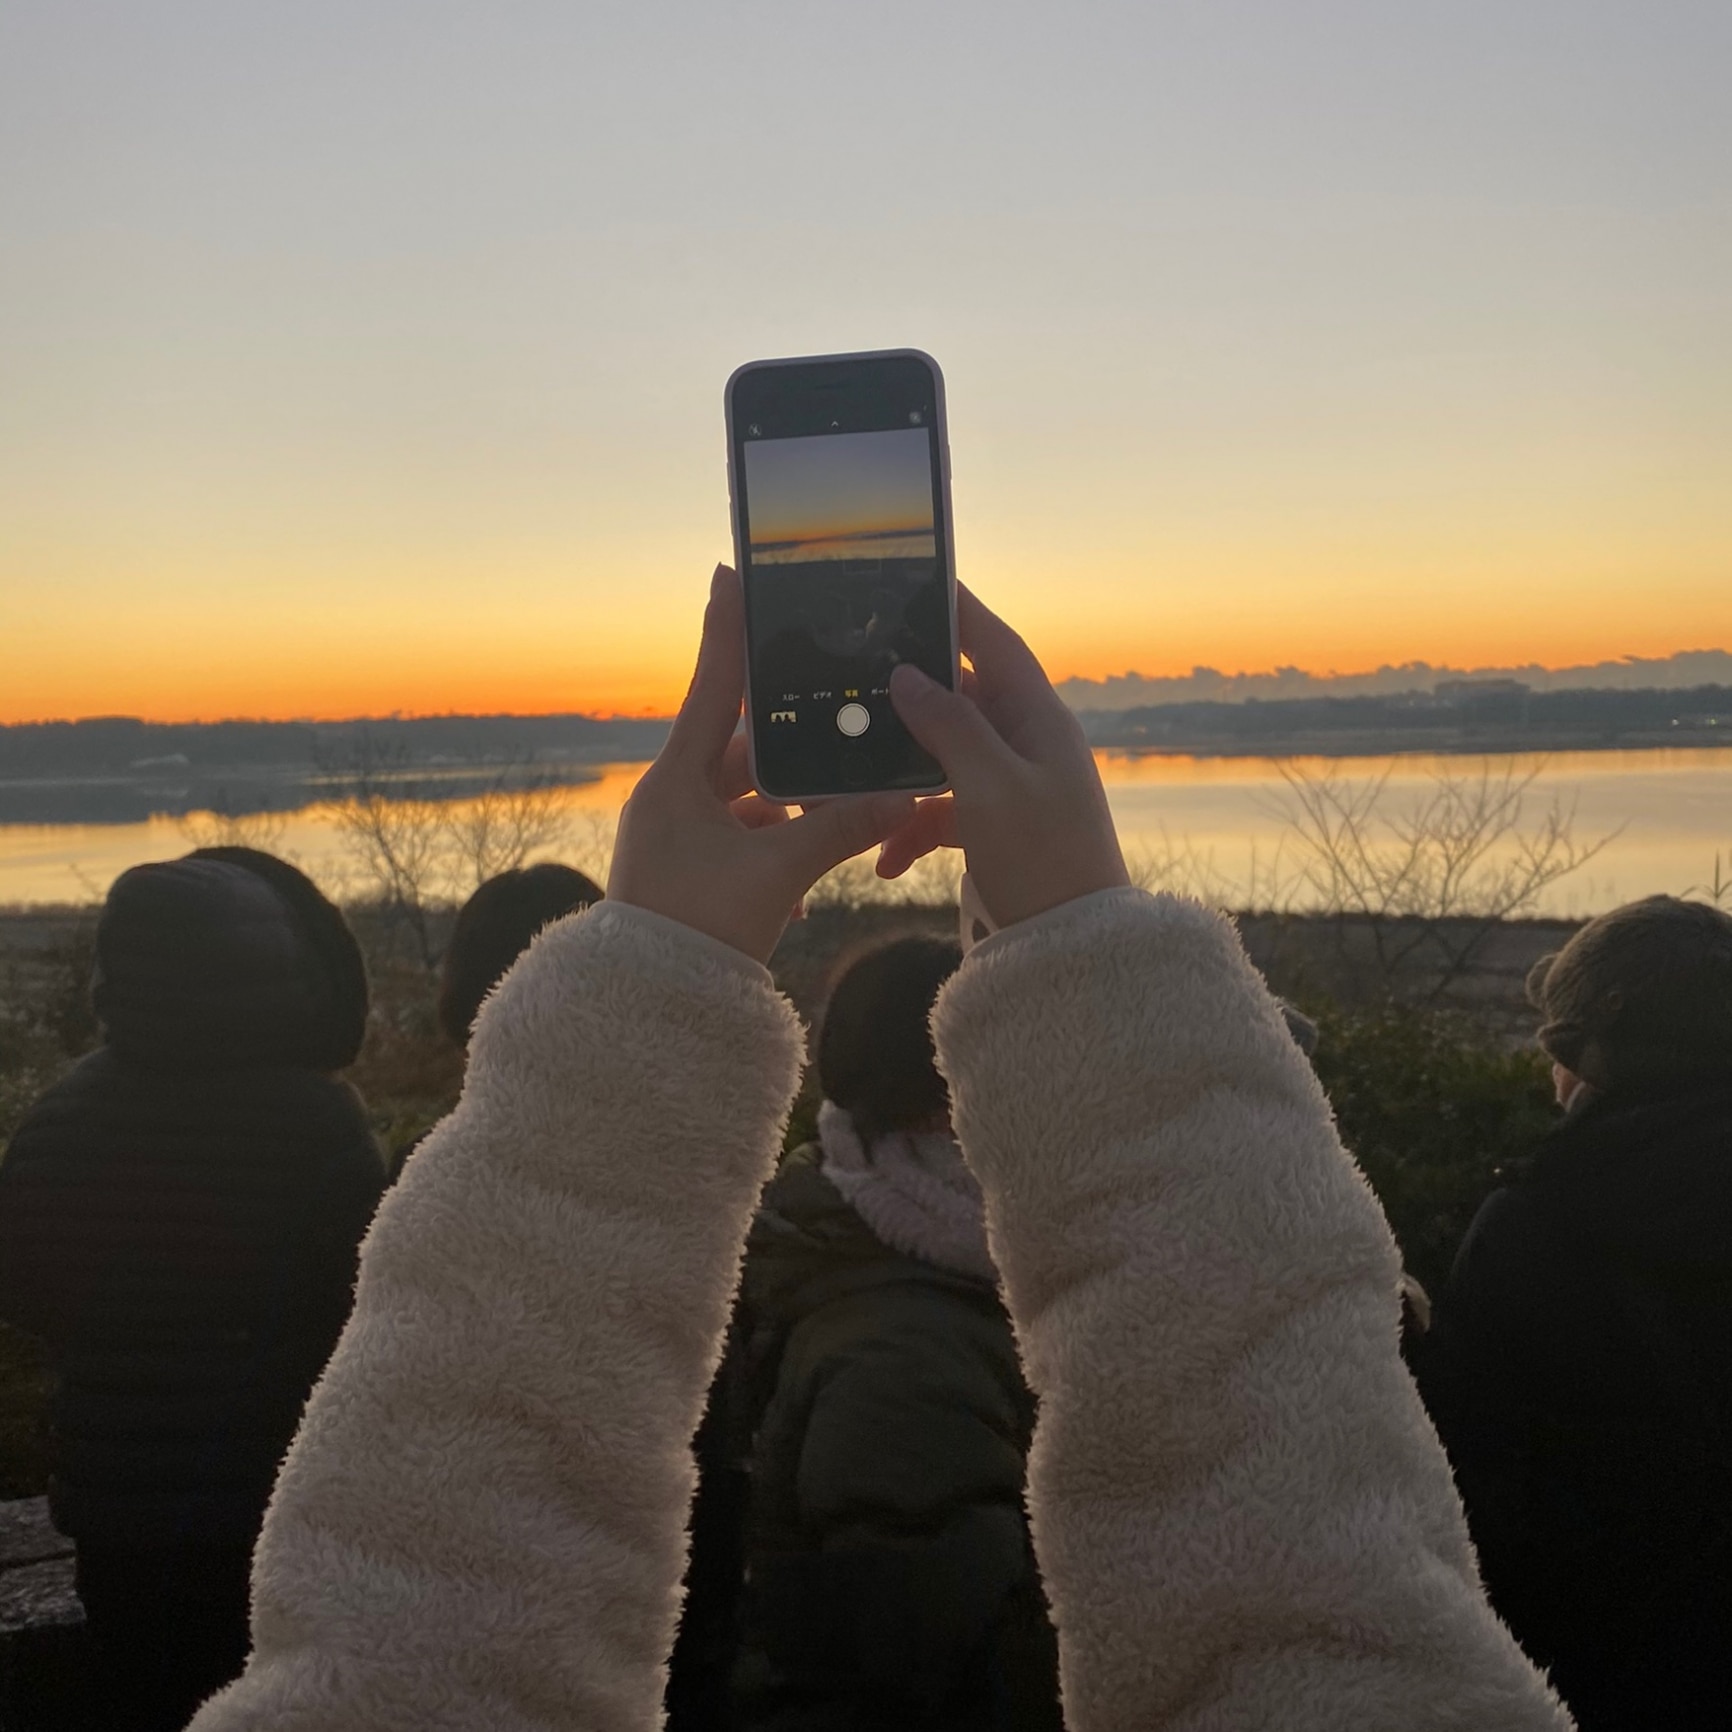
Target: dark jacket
{"type": "Point", "coordinates": [179, 1218]}
{"type": "Point", "coordinates": [892, 1581]}
{"type": "Point", "coordinates": [1579, 1370]}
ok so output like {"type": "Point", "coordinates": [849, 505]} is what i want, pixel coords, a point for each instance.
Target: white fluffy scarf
{"type": "Point", "coordinates": [912, 1189]}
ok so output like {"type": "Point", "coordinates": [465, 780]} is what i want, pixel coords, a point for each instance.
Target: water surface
{"type": "Point", "coordinates": [1212, 824]}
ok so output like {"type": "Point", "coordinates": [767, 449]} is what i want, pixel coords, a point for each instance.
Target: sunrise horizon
{"type": "Point", "coordinates": [308, 421]}
{"type": "Point", "coordinates": [1177, 671]}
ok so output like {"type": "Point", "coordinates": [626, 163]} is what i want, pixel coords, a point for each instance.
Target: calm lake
{"type": "Point", "coordinates": [1211, 824]}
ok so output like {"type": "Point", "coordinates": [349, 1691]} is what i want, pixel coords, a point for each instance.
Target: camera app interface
{"type": "Point", "coordinates": [846, 580]}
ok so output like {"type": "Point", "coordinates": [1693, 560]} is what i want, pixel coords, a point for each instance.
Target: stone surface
{"type": "Point", "coordinates": [36, 1589]}
{"type": "Point", "coordinates": [42, 1666]}
{"type": "Point", "coordinates": [37, 1597]}
{"type": "Point", "coordinates": [27, 1536]}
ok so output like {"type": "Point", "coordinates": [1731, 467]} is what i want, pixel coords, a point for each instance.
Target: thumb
{"type": "Point", "coordinates": [946, 723]}
{"type": "Point", "coordinates": [825, 836]}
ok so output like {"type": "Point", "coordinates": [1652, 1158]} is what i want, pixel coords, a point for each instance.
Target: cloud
{"type": "Point", "coordinates": [1131, 690]}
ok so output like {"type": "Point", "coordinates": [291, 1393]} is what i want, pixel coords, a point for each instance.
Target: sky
{"type": "Point", "coordinates": [811, 493]}
{"type": "Point", "coordinates": [367, 356]}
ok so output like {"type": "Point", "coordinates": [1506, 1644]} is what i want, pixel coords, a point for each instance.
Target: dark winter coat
{"type": "Point", "coordinates": [179, 1218]}
{"type": "Point", "coordinates": [892, 1582]}
{"type": "Point", "coordinates": [1579, 1370]}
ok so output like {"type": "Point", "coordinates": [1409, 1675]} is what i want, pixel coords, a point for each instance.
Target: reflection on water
{"type": "Point", "coordinates": [1219, 819]}
{"type": "Point", "coordinates": [1664, 815]}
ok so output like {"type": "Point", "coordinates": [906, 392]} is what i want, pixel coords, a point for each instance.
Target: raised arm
{"type": "Point", "coordinates": [1242, 1514]}
{"type": "Point", "coordinates": [481, 1524]}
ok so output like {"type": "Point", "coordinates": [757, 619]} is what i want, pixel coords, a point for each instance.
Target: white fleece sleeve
{"type": "Point", "coordinates": [1243, 1516]}
{"type": "Point", "coordinates": [481, 1524]}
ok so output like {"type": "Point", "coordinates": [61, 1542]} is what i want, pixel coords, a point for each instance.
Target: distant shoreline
{"type": "Point", "coordinates": [120, 770]}
{"type": "Point", "coordinates": [1418, 746]}
{"type": "Point", "coordinates": [255, 790]}
{"type": "Point", "coordinates": [1493, 717]}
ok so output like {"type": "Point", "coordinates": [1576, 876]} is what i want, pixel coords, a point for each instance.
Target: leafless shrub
{"type": "Point", "coordinates": [502, 828]}
{"type": "Point", "coordinates": [221, 828]}
{"type": "Point", "coordinates": [930, 882]}
{"type": "Point", "coordinates": [1431, 880]}
{"type": "Point", "coordinates": [590, 840]}
{"type": "Point", "coordinates": [1180, 868]}
{"type": "Point", "coordinates": [409, 854]}
{"type": "Point", "coordinates": [394, 851]}
{"type": "Point", "coordinates": [1718, 889]}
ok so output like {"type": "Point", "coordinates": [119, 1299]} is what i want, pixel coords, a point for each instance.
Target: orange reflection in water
{"type": "Point", "coordinates": [1668, 814]}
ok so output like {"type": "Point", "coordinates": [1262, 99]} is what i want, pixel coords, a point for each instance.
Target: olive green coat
{"type": "Point", "coordinates": [891, 1576]}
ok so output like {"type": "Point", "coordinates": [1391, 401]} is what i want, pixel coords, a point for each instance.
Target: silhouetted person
{"type": "Point", "coordinates": [494, 927]}
{"type": "Point", "coordinates": [890, 1579]}
{"type": "Point", "coordinates": [1579, 1364]}
{"type": "Point", "coordinates": [179, 1221]}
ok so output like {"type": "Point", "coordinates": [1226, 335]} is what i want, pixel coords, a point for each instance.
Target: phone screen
{"type": "Point", "coordinates": [843, 537]}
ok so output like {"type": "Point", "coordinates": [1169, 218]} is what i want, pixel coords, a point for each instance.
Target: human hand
{"type": "Point", "coordinates": [1027, 805]}
{"type": "Point", "coordinates": [696, 845]}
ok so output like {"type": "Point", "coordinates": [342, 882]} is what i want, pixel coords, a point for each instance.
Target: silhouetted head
{"type": "Point", "coordinates": [875, 1054]}
{"type": "Point", "coordinates": [494, 927]}
{"type": "Point", "coordinates": [227, 958]}
{"type": "Point", "coordinates": [1640, 999]}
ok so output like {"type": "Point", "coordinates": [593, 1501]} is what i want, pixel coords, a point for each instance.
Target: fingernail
{"type": "Point", "coordinates": [718, 576]}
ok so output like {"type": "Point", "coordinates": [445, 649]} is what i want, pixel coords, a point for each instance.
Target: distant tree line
{"type": "Point", "coordinates": [121, 745]}
{"type": "Point", "coordinates": [1495, 716]}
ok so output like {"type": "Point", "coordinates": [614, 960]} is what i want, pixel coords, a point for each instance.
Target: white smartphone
{"type": "Point", "coordinates": [839, 481]}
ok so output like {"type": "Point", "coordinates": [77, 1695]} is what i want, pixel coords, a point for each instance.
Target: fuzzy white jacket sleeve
{"type": "Point", "coordinates": [481, 1524]}
{"type": "Point", "coordinates": [1243, 1516]}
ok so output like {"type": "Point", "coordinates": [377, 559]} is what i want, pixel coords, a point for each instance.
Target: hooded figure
{"type": "Point", "coordinates": [875, 1412]}
{"type": "Point", "coordinates": [179, 1223]}
{"type": "Point", "coordinates": [1579, 1365]}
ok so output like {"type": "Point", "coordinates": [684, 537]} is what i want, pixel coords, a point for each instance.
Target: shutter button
{"type": "Point", "coordinates": [853, 720]}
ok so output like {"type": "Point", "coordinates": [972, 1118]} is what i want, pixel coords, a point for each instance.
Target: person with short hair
{"type": "Point", "coordinates": [179, 1223]}
{"type": "Point", "coordinates": [878, 1407]}
{"type": "Point", "coordinates": [494, 927]}
{"type": "Point", "coordinates": [1579, 1362]}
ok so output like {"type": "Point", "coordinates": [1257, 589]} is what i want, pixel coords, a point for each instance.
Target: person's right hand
{"type": "Point", "coordinates": [696, 846]}
{"type": "Point", "coordinates": [1027, 806]}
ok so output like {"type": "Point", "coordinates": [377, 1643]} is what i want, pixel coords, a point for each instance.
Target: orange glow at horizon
{"type": "Point", "coordinates": [283, 627]}
{"type": "Point", "coordinates": [320, 682]}
{"type": "Point", "coordinates": [370, 360]}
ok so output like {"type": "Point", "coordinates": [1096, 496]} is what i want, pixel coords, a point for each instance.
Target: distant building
{"type": "Point", "coordinates": [1467, 691]}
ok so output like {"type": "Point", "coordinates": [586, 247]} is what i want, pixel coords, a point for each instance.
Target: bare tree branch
{"type": "Point", "coordinates": [503, 828]}
{"type": "Point", "coordinates": [1718, 889]}
{"type": "Point", "coordinates": [1435, 878]}
{"type": "Point", "coordinates": [394, 839]}
{"type": "Point", "coordinates": [222, 828]}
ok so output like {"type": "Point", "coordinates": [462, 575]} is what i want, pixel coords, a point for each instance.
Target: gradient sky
{"type": "Point", "coordinates": [368, 356]}
{"type": "Point", "coordinates": [838, 485]}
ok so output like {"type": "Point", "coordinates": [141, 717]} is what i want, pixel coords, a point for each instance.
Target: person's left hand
{"type": "Point", "coordinates": [697, 846]}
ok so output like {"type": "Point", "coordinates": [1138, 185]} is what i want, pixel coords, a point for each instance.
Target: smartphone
{"type": "Point", "coordinates": [839, 480]}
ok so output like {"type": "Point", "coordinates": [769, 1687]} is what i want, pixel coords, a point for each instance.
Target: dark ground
{"type": "Point", "coordinates": [1432, 1097]}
